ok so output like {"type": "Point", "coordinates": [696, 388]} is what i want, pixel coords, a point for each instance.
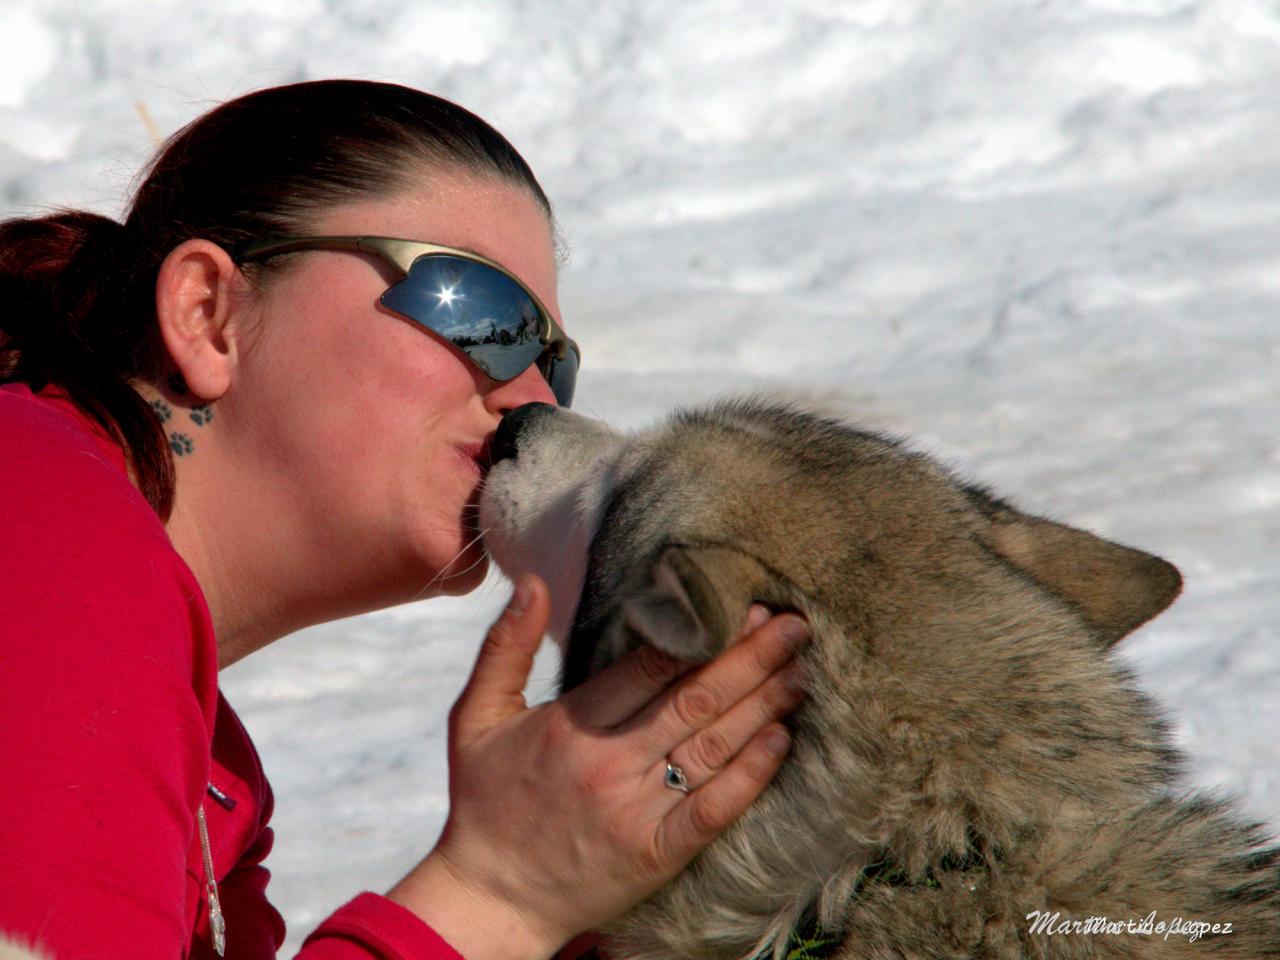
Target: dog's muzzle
{"type": "Point", "coordinates": [506, 441]}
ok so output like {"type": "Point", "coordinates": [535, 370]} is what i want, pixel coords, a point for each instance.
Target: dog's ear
{"type": "Point", "coordinates": [1115, 588]}
{"type": "Point", "coordinates": [695, 600]}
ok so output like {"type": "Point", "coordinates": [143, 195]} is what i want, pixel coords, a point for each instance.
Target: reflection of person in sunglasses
{"type": "Point", "coordinates": [220, 425]}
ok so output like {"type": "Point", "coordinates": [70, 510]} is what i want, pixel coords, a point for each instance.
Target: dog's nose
{"type": "Point", "coordinates": [507, 439]}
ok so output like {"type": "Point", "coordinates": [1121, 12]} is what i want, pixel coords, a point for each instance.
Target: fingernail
{"type": "Point", "coordinates": [794, 630]}
{"type": "Point", "coordinates": [757, 617]}
{"type": "Point", "coordinates": [777, 742]}
{"type": "Point", "coordinates": [520, 597]}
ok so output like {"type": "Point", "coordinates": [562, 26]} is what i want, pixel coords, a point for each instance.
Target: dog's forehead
{"type": "Point", "coordinates": [750, 472]}
{"type": "Point", "coordinates": [740, 442]}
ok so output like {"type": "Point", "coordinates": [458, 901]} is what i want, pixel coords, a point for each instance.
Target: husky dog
{"type": "Point", "coordinates": [972, 775]}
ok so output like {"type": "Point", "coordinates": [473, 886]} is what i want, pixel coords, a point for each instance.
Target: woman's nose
{"type": "Point", "coordinates": [528, 387]}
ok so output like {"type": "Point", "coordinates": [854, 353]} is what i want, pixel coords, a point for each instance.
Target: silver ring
{"type": "Point", "coordinates": [675, 778]}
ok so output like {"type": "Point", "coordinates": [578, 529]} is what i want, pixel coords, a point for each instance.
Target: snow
{"type": "Point", "coordinates": [1041, 239]}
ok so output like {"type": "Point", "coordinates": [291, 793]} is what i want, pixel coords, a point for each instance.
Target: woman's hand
{"type": "Point", "coordinates": [559, 817]}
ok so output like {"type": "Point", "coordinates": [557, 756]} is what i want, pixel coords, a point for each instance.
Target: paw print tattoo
{"type": "Point", "coordinates": [181, 444]}
{"type": "Point", "coordinates": [201, 415]}
{"type": "Point", "coordinates": [162, 409]}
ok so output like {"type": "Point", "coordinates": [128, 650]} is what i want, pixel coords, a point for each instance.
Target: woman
{"type": "Point", "coordinates": [221, 424]}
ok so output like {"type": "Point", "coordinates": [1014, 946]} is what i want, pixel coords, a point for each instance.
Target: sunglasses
{"type": "Point", "coordinates": [473, 302]}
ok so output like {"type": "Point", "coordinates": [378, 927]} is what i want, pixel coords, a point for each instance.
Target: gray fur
{"type": "Point", "coordinates": [969, 753]}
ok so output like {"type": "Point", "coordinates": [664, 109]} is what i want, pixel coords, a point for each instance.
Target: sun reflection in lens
{"type": "Point", "coordinates": [446, 296]}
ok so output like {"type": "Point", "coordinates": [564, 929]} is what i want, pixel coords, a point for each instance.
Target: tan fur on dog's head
{"type": "Point", "coordinates": [965, 731]}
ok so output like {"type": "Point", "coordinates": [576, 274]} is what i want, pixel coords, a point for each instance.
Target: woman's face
{"type": "Point", "coordinates": [375, 427]}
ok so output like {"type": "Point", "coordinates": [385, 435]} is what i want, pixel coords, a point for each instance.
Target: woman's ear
{"type": "Point", "coordinates": [199, 315]}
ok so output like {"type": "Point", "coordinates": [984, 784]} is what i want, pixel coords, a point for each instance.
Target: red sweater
{"type": "Point", "coordinates": [113, 732]}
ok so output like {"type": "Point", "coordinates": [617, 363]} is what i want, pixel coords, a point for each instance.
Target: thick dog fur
{"type": "Point", "coordinates": [971, 773]}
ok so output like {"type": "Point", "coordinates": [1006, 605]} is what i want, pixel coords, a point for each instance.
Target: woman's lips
{"type": "Point", "coordinates": [477, 455]}
{"type": "Point", "coordinates": [475, 460]}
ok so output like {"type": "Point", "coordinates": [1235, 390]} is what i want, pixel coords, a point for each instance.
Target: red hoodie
{"type": "Point", "coordinates": [113, 732]}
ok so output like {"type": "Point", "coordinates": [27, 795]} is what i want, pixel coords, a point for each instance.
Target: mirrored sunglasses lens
{"type": "Point", "coordinates": [482, 311]}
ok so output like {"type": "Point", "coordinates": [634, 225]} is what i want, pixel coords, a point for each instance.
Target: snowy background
{"type": "Point", "coordinates": [1041, 238]}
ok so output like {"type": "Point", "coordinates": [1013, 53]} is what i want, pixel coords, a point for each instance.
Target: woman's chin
{"type": "Point", "coordinates": [466, 572]}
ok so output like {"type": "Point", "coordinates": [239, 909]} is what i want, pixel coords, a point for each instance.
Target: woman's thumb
{"type": "Point", "coordinates": [496, 688]}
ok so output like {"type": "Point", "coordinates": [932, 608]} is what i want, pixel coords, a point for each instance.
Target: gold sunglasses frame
{"type": "Point", "coordinates": [402, 254]}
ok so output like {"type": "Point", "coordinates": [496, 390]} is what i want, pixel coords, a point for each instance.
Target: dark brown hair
{"type": "Point", "coordinates": [77, 289]}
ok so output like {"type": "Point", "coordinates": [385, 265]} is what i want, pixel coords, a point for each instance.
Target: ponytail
{"type": "Point", "coordinates": [60, 323]}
